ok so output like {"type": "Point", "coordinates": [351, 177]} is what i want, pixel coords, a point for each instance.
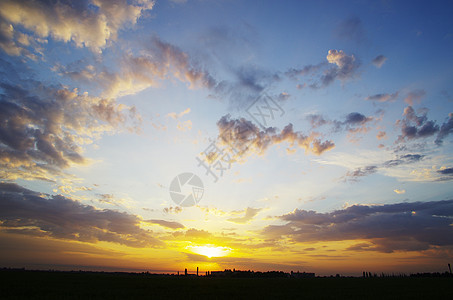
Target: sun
{"type": "Point", "coordinates": [210, 251]}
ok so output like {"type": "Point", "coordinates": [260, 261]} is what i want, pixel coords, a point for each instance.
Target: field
{"type": "Point", "coordinates": [84, 285]}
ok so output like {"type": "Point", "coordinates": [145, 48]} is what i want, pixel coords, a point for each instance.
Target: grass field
{"type": "Point", "coordinates": [75, 285]}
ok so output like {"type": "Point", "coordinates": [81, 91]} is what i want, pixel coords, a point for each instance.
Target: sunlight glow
{"type": "Point", "coordinates": [210, 251]}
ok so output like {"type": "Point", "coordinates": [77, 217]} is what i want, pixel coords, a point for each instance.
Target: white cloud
{"type": "Point", "coordinates": [86, 23]}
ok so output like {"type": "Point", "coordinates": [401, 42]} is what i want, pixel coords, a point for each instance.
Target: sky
{"type": "Point", "coordinates": [156, 136]}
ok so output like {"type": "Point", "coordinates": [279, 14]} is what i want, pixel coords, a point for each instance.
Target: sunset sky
{"type": "Point", "coordinates": [348, 167]}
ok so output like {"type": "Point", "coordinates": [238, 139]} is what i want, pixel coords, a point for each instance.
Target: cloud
{"type": "Point", "coordinates": [386, 228]}
{"type": "Point", "coordinates": [175, 116]}
{"type": "Point", "coordinates": [248, 82]}
{"type": "Point", "coordinates": [383, 97]}
{"type": "Point", "coordinates": [353, 122]}
{"type": "Point", "coordinates": [446, 171]}
{"type": "Point", "coordinates": [414, 97]}
{"type": "Point", "coordinates": [446, 174]}
{"type": "Point", "coordinates": [184, 126]}
{"type": "Point", "coordinates": [27, 212]}
{"type": "Point", "coordinates": [304, 71]}
{"type": "Point", "coordinates": [445, 130]}
{"type": "Point", "coordinates": [159, 61]}
{"type": "Point", "coordinates": [356, 118]}
{"type": "Point", "coordinates": [381, 135]}
{"type": "Point", "coordinates": [245, 137]}
{"type": "Point", "coordinates": [379, 61]}
{"type": "Point", "coordinates": [14, 43]}
{"type": "Point", "coordinates": [346, 67]}
{"type": "Point", "coordinates": [402, 160]}
{"type": "Point", "coordinates": [339, 66]}
{"type": "Point", "coordinates": [249, 214]}
{"type": "Point", "coordinates": [172, 210]}
{"type": "Point", "coordinates": [167, 224]}
{"type": "Point", "coordinates": [85, 23]}
{"type": "Point", "coordinates": [414, 127]}
{"type": "Point", "coordinates": [317, 120]}
{"type": "Point", "coordinates": [399, 192]}
{"type": "Point", "coordinates": [45, 128]}
{"type": "Point", "coordinates": [351, 29]}
{"type": "Point", "coordinates": [357, 173]}
{"type": "Point", "coordinates": [360, 172]}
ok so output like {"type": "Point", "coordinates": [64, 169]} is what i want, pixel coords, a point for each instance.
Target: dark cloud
{"type": "Point", "coordinates": [249, 214]}
{"type": "Point", "coordinates": [386, 228]}
{"type": "Point", "coordinates": [247, 84]}
{"type": "Point", "coordinates": [44, 128]}
{"type": "Point", "coordinates": [360, 172]}
{"type": "Point", "coordinates": [27, 212]}
{"type": "Point", "coordinates": [414, 126]}
{"type": "Point", "coordinates": [383, 97]}
{"type": "Point", "coordinates": [304, 71]}
{"type": "Point", "coordinates": [317, 120]}
{"type": "Point", "coordinates": [356, 118]}
{"type": "Point", "coordinates": [353, 122]}
{"type": "Point", "coordinates": [339, 66]}
{"type": "Point", "coordinates": [245, 137]}
{"type": "Point", "coordinates": [351, 29]}
{"type": "Point", "coordinates": [167, 224]}
{"type": "Point", "coordinates": [379, 60]}
{"type": "Point", "coordinates": [357, 173]}
{"type": "Point", "coordinates": [445, 130]}
{"type": "Point", "coordinates": [172, 210]}
{"type": "Point", "coordinates": [404, 159]}
{"type": "Point", "coordinates": [447, 171]}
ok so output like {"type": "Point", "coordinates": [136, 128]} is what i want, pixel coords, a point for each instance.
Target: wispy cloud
{"type": "Point", "coordinates": [383, 97]}
{"type": "Point", "coordinates": [351, 29]}
{"type": "Point", "coordinates": [379, 61]}
{"type": "Point", "coordinates": [249, 214]}
{"type": "Point", "coordinates": [167, 224]}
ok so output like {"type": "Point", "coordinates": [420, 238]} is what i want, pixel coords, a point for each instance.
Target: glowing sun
{"type": "Point", "coordinates": [210, 251]}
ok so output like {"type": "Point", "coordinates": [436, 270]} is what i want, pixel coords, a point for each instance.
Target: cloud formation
{"type": "Point", "coordinates": [354, 123]}
{"type": "Point", "coordinates": [379, 61]}
{"type": "Point", "coordinates": [44, 128]}
{"type": "Point", "coordinates": [87, 23]}
{"type": "Point", "coordinates": [158, 62]}
{"type": "Point", "coordinates": [445, 130]}
{"type": "Point", "coordinates": [339, 65]}
{"type": "Point", "coordinates": [167, 224]}
{"type": "Point", "coordinates": [414, 97]}
{"type": "Point", "coordinates": [27, 212]}
{"type": "Point", "coordinates": [249, 214]}
{"type": "Point", "coordinates": [414, 127]}
{"type": "Point", "coordinates": [245, 137]}
{"type": "Point", "coordinates": [346, 67]}
{"type": "Point", "coordinates": [359, 172]}
{"type": "Point", "coordinates": [383, 97]}
{"type": "Point", "coordinates": [385, 228]}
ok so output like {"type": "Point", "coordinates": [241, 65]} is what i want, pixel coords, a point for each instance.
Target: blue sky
{"type": "Point", "coordinates": [105, 102]}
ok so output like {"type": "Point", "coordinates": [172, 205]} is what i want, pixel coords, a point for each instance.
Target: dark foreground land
{"type": "Point", "coordinates": [86, 285]}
